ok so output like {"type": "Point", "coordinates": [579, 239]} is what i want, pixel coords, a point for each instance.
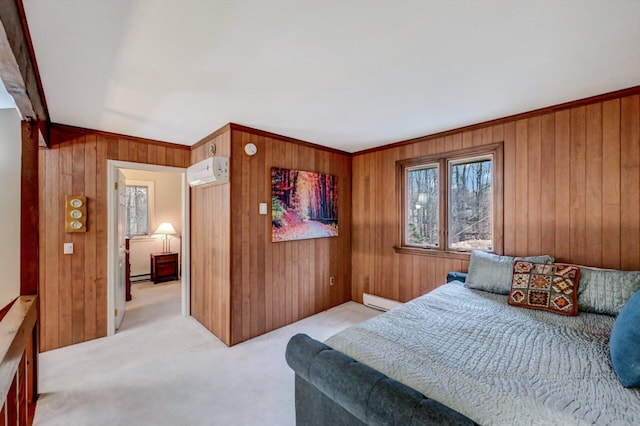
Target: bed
{"type": "Point", "coordinates": [460, 355]}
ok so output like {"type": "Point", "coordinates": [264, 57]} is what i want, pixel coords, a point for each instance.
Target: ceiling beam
{"type": "Point", "coordinates": [18, 68]}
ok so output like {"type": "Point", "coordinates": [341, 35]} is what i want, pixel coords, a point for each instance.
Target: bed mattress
{"type": "Point", "coordinates": [494, 363]}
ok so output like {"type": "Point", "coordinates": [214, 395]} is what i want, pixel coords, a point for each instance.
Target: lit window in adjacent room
{"type": "Point", "coordinates": [137, 214]}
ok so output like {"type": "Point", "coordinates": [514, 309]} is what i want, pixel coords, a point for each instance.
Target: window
{"type": "Point", "coordinates": [423, 223]}
{"type": "Point", "coordinates": [470, 204]}
{"type": "Point", "coordinates": [137, 214]}
{"type": "Point", "coordinates": [452, 202]}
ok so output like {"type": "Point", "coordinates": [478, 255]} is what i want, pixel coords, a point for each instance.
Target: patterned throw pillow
{"type": "Point", "coordinates": [549, 287]}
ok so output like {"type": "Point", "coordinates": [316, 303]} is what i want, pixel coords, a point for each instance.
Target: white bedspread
{"type": "Point", "coordinates": [495, 363]}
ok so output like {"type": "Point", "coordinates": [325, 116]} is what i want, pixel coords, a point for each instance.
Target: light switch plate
{"type": "Point", "coordinates": [263, 208]}
{"type": "Point", "coordinates": [68, 248]}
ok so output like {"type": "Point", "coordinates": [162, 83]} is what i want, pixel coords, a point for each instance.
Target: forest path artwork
{"type": "Point", "coordinates": [303, 205]}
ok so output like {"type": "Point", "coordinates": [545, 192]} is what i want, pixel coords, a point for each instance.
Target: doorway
{"type": "Point", "coordinates": [116, 294]}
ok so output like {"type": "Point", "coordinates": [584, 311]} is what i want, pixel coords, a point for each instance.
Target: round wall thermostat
{"type": "Point", "coordinates": [250, 149]}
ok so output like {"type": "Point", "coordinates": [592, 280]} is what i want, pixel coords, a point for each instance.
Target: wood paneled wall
{"type": "Point", "coordinates": [275, 284]}
{"type": "Point", "coordinates": [72, 288]}
{"type": "Point", "coordinates": [211, 247]}
{"type": "Point", "coordinates": [268, 285]}
{"type": "Point", "coordinates": [571, 190]}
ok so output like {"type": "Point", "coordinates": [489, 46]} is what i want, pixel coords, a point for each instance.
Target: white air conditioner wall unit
{"type": "Point", "coordinates": [213, 170]}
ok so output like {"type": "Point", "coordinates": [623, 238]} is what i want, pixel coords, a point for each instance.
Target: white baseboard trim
{"type": "Point", "coordinates": [379, 303]}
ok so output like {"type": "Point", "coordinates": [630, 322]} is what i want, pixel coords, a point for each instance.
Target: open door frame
{"type": "Point", "coordinates": [112, 245]}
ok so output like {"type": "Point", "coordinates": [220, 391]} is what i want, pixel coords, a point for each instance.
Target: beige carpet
{"type": "Point", "coordinates": [165, 369]}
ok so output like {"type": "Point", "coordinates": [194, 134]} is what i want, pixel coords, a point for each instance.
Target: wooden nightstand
{"type": "Point", "coordinates": [164, 267]}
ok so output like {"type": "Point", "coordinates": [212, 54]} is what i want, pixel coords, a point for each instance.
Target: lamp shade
{"type": "Point", "coordinates": [165, 228]}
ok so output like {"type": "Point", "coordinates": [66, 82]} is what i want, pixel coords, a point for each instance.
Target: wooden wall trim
{"type": "Point", "coordinates": [264, 133]}
{"type": "Point", "coordinates": [29, 220]}
{"type": "Point", "coordinates": [541, 111]}
{"type": "Point", "coordinates": [210, 137]}
{"type": "Point", "coordinates": [72, 132]}
{"type": "Point", "coordinates": [18, 68]}
{"type": "Point", "coordinates": [282, 138]}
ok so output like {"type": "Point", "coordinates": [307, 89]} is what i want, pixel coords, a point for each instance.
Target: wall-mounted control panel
{"type": "Point", "coordinates": [76, 213]}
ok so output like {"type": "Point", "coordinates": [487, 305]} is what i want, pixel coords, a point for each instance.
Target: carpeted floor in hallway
{"type": "Point", "coordinates": [165, 369]}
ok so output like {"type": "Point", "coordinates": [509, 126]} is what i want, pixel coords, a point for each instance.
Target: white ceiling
{"type": "Point", "coordinates": [6, 100]}
{"type": "Point", "coordinates": [346, 74]}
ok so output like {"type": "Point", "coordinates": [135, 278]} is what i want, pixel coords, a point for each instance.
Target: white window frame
{"type": "Point", "coordinates": [151, 204]}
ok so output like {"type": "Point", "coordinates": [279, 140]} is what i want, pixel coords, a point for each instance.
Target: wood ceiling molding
{"type": "Point", "coordinates": [263, 133]}
{"type": "Point", "coordinates": [266, 134]}
{"type": "Point", "coordinates": [18, 68]}
{"type": "Point", "coordinates": [541, 111]}
{"type": "Point", "coordinates": [211, 137]}
{"type": "Point", "coordinates": [313, 86]}
{"type": "Point", "coordinates": [69, 133]}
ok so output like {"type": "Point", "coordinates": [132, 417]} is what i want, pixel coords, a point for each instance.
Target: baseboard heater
{"type": "Point", "coordinates": [140, 278]}
{"type": "Point", "coordinates": [379, 303]}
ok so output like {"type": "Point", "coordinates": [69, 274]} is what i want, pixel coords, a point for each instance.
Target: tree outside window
{"type": "Point", "coordinates": [137, 213]}
{"type": "Point", "coordinates": [449, 201]}
{"type": "Point", "coordinates": [470, 204]}
{"type": "Point", "coordinates": [423, 205]}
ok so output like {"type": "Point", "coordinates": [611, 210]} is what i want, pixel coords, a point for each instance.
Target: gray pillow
{"type": "Point", "coordinates": [491, 272]}
{"type": "Point", "coordinates": [605, 291]}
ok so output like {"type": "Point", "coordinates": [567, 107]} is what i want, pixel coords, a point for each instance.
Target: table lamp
{"type": "Point", "coordinates": [165, 229]}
